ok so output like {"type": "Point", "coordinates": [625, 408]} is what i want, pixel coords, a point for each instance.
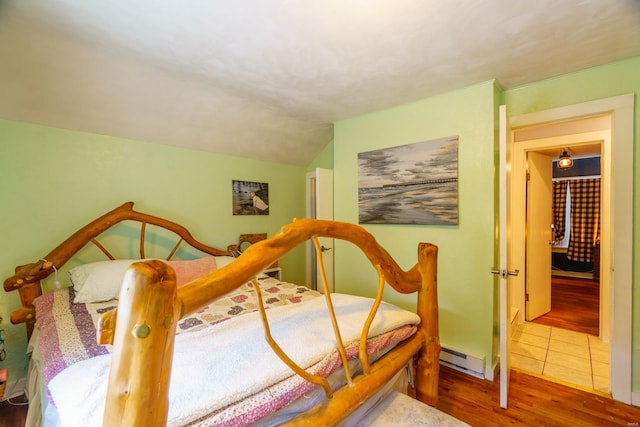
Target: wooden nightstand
{"type": "Point", "coordinates": [275, 272]}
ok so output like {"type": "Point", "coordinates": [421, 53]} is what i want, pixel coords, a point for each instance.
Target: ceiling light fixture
{"type": "Point", "coordinates": [565, 161]}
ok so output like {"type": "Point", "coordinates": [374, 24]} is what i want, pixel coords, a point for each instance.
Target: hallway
{"type": "Point", "coordinates": [575, 305]}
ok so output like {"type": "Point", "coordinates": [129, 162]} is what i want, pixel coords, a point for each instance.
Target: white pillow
{"type": "Point", "coordinates": [99, 281]}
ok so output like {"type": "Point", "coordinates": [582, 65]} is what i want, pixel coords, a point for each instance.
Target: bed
{"type": "Point", "coordinates": [213, 341]}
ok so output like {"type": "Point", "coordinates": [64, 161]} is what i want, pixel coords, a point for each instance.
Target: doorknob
{"type": "Point", "coordinates": [324, 249]}
{"type": "Point", "coordinates": [505, 273]}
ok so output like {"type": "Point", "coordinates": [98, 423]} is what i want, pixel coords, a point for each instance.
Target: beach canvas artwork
{"type": "Point", "coordinates": [410, 184]}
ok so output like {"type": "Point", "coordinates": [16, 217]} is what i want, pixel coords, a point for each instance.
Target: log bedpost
{"type": "Point", "coordinates": [428, 368]}
{"type": "Point", "coordinates": [148, 311]}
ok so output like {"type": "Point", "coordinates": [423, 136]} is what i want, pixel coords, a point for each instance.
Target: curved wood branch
{"type": "Point", "coordinates": [260, 255]}
{"type": "Point", "coordinates": [27, 277]}
{"type": "Point", "coordinates": [347, 399]}
{"type": "Point", "coordinates": [34, 272]}
{"type": "Point", "coordinates": [275, 347]}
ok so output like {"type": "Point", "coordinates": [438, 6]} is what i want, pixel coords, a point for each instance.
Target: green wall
{"type": "Point", "coordinates": [601, 82]}
{"type": "Point", "coordinates": [466, 254]}
{"type": "Point", "coordinates": [324, 159]}
{"type": "Point", "coordinates": [53, 181]}
{"type": "Point", "coordinates": [467, 295]}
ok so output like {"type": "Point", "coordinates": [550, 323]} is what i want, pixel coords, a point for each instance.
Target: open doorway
{"type": "Point", "coordinates": [617, 278]}
{"type": "Point", "coordinates": [319, 196]}
{"type": "Point", "coordinates": [575, 242]}
{"type": "Point", "coordinates": [535, 149]}
{"type": "Point", "coordinates": [544, 345]}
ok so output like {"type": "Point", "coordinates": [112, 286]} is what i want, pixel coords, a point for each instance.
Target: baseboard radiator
{"type": "Point", "coordinates": [461, 361]}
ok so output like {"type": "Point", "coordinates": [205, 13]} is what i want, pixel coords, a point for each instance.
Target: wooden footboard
{"type": "Point", "coordinates": [150, 305]}
{"type": "Point", "coordinates": [142, 329]}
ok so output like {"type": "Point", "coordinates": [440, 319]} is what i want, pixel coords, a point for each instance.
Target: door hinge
{"type": "Point", "coordinates": [528, 176]}
{"type": "Point", "coordinates": [526, 297]}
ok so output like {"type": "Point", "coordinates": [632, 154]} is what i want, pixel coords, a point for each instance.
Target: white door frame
{"type": "Point", "coordinates": [620, 270]}
{"type": "Point", "coordinates": [521, 150]}
{"type": "Point", "coordinates": [320, 206]}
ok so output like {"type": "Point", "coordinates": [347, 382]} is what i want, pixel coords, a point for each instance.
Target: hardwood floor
{"type": "Point", "coordinates": [13, 415]}
{"type": "Point", "coordinates": [532, 402]}
{"type": "Point", "coordinates": [574, 305]}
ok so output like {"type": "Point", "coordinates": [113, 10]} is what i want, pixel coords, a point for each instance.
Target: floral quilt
{"type": "Point", "coordinates": [67, 331]}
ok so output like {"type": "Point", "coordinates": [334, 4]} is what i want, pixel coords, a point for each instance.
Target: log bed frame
{"type": "Point", "coordinates": [142, 328]}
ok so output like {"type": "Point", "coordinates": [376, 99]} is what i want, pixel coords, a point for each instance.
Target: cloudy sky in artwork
{"type": "Point", "coordinates": [435, 159]}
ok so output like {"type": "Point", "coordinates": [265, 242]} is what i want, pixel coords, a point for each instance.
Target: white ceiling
{"type": "Point", "coordinates": [266, 79]}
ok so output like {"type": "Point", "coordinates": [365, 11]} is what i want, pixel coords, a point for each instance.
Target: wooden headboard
{"type": "Point", "coordinates": [27, 278]}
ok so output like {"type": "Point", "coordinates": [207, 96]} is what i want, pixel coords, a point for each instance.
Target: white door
{"type": "Point", "coordinates": [539, 239]}
{"type": "Point", "coordinates": [503, 272]}
{"type": "Point", "coordinates": [320, 206]}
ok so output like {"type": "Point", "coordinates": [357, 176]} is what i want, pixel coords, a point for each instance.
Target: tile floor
{"type": "Point", "coordinates": [570, 357]}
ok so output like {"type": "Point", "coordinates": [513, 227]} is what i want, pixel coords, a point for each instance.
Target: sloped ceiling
{"type": "Point", "coordinates": [266, 79]}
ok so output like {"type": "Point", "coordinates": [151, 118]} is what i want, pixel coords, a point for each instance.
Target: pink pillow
{"type": "Point", "coordinates": [186, 271]}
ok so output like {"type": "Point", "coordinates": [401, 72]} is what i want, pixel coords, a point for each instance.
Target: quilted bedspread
{"type": "Point", "coordinates": [67, 330]}
{"type": "Point", "coordinates": [76, 367]}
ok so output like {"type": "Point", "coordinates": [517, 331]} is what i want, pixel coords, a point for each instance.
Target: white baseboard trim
{"type": "Point", "coordinates": [461, 369]}
{"type": "Point", "coordinates": [491, 372]}
{"type": "Point", "coordinates": [15, 389]}
{"type": "Point", "coordinates": [463, 360]}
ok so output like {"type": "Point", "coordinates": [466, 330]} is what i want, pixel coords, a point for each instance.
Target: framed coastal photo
{"type": "Point", "coordinates": [250, 198]}
{"type": "Point", "coordinates": [410, 184]}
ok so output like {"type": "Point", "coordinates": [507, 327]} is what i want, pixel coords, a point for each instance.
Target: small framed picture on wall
{"type": "Point", "coordinates": [250, 198]}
